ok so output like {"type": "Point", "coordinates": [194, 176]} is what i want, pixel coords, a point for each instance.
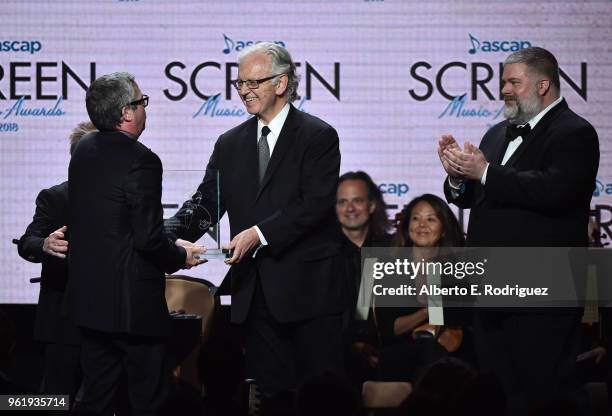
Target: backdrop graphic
{"type": "Point", "coordinates": [390, 76]}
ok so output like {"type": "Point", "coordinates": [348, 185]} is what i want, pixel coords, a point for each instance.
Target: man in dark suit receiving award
{"type": "Point", "coordinates": [529, 184]}
{"type": "Point", "coordinates": [43, 242]}
{"type": "Point", "coordinates": [119, 252]}
{"type": "Point", "coordinates": [278, 174]}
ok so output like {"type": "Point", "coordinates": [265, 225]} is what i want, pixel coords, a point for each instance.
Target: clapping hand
{"type": "Point", "coordinates": [469, 163]}
{"type": "Point", "coordinates": [446, 143]}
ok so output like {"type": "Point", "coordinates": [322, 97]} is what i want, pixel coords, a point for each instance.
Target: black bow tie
{"type": "Point", "coordinates": [513, 131]}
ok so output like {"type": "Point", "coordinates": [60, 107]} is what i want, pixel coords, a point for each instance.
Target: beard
{"type": "Point", "coordinates": [522, 110]}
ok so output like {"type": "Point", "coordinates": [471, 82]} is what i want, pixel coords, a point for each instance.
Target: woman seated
{"type": "Point", "coordinates": [427, 224]}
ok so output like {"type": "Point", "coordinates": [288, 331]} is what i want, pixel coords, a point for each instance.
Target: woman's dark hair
{"type": "Point", "coordinates": [379, 222]}
{"type": "Point", "coordinates": [452, 235]}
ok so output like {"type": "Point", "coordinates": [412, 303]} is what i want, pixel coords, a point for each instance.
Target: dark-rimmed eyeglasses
{"type": "Point", "coordinates": [144, 101]}
{"type": "Point", "coordinates": [252, 84]}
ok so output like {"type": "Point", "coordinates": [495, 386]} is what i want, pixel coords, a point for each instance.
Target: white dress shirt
{"type": "Point", "coordinates": [514, 144]}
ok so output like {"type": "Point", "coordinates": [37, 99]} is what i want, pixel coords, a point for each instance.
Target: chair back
{"type": "Point", "coordinates": [193, 296]}
{"type": "Point", "coordinates": [383, 395]}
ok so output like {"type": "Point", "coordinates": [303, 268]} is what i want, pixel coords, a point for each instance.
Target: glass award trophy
{"type": "Point", "coordinates": [192, 209]}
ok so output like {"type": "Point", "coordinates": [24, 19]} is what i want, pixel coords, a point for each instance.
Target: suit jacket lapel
{"type": "Point", "coordinates": [538, 130]}
{"type": "Point", "coordinates": [493, 150]}
{"type": "Point", "coordinates": [500, 145]}
{"type": "Point", "coordinates": [283, 144]}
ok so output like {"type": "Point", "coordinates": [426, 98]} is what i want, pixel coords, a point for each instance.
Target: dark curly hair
{"type": "Point", "coordinates": [452, 235]}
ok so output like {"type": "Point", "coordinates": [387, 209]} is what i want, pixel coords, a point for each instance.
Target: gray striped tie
{"type": "Point", "coordinates": [263, 151]}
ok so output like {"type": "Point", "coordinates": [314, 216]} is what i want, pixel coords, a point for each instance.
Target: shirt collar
{"type": "Point", "coordinates": [276, 125]}
{"type": "Point", "coordinates": [532, 123]}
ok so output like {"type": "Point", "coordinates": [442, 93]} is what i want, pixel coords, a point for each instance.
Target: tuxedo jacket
{"type": "Point", "coordinates": [300, 268]}
{"type": "Point", "coordinates": [51, 214]}
{"type": "Point", "coordinates": [118, 250]}
{"type": "Point", "coordinates": [541, 196]}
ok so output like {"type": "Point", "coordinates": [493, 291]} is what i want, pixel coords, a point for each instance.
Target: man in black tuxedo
{"type": "Point", "coordinates": [278, 176]}
{"type": "Point", "coordinates": [44, 242]}
{"type": "Point", "coordinates": [529, 184]}
{"type": "Point", "coordinates": [119, 252]}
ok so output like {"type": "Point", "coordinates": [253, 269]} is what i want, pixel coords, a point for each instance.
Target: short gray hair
{"type": "Point", "coordinates": [539, 61]}
{"type": "Point", "coordinates": [281, 64]}
{"type": "Point", "coordinates": [107, 96]}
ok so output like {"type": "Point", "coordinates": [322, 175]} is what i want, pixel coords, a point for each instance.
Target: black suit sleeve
{"type": "Point", "coordinates": [319, 178]}
{"type": "Point", "coordinates": [45, 221]}
{"type": "Point", "coordinates": [570, 167]}
{"type": "Point", "coordinates": [464, 199]}
{"type": "Point", "coordinates": [205, 207]}
{"type": "Point", "coordinates": [143, 194]}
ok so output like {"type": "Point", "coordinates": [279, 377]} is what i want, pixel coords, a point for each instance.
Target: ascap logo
{"type": "Point", "coordinates": [398, 189]}
{"type": "Point", "coordinates": [238, 45]}
{"type": "Point", "coordinates": [602, 188]}
{"type": "Point", "coordinates": [496, 45]}
{"type": "Point", "coordinates": [31, 46]}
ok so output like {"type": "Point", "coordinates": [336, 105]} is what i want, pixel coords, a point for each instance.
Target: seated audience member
{"type": "Point", "coordinates": [361, 211]}
{"type": "Point", "coordinates": [45, 242]}
{"type": "Point", "coordinates": [427, 222]}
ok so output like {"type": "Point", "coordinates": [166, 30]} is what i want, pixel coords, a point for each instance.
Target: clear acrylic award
{"type": "Point", "coordinates": [192, 209]}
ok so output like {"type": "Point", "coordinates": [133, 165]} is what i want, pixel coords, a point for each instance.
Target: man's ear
{"type": "Point", "coordinates": [543, 86]}
{"type": "Point", "coordinates": [281, 87]}
{"type": "Point", "coordinates": [372, 207]}
{"type": "Point", "coordinates": [127, 114]}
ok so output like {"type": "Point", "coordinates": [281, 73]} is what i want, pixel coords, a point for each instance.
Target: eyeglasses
{"type": "Point", "coordinates": [144, 101]}
{"type": "Point", "coordinates": [252, 83]}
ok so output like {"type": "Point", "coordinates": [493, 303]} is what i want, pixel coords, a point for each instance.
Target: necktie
{"type": "Point", "coordinates": [263, 151]}
{"type": "Point", "coordinates": [513, 131]}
